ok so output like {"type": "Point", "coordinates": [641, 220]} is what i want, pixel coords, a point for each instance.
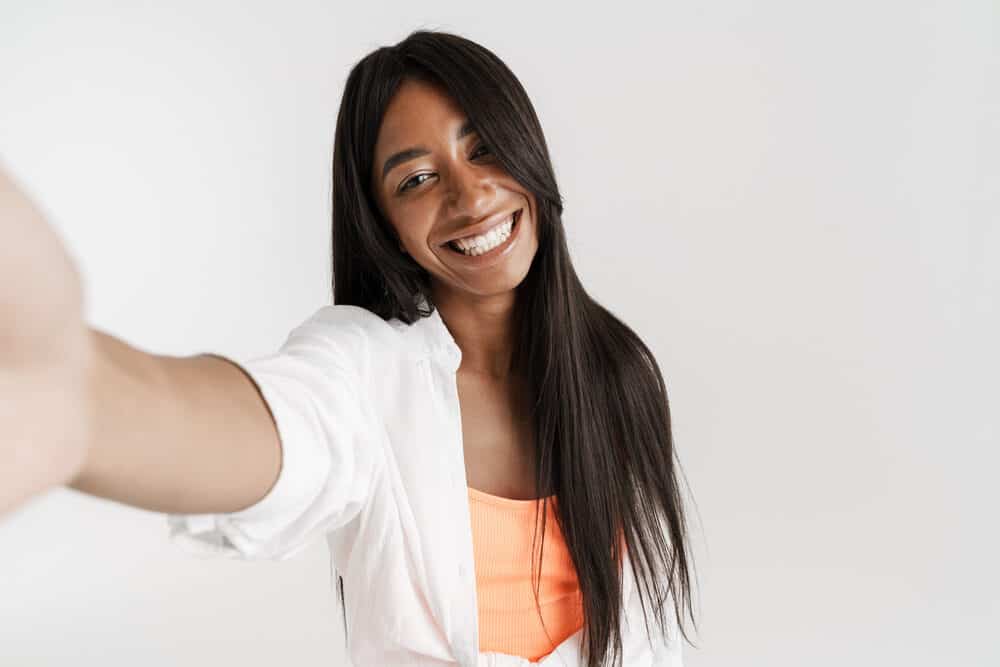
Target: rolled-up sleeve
{"type": "Point", "coordinates": [316, 388]}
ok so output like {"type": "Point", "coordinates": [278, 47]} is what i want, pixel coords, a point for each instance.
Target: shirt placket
{"type": "Point", "coordinates": [465, 640]}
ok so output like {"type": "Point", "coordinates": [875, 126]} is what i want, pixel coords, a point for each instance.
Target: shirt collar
{"type": "Point", "coordinates": [435, 337]}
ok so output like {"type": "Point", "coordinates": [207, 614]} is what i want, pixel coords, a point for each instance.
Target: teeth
{"type": "Point", "coordinates": [485, 242]}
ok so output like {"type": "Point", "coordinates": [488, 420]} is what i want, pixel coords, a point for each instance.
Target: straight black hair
{"type": "Point", "coordinates": [600, 409]}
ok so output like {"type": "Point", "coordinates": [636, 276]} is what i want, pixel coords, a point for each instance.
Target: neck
{"type": "Point", "coordinates": [483, 328]}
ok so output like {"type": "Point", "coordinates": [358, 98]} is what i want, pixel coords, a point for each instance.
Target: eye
{"type": "Point", "coordinates": [481, 147]}
{"type": "Point", "coordinates": [406, 185]}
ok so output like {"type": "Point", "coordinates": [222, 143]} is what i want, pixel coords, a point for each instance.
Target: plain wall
{"type": "Point", "coordinates": [795, 204]}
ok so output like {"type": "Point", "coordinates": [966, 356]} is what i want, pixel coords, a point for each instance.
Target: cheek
{"type": "Point", "coordinates": [407, 227]}
{"type": "Point", "coordinates": [415, 239]}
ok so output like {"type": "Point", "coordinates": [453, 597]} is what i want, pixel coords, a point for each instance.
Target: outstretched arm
{"type": "Point", "coordinates": [83, 408]}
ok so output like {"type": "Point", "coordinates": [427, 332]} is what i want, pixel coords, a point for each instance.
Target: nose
{"type": "Point", "coordinates": [472, 192]}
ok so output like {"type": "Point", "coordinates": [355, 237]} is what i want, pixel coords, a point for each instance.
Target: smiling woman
{"type": "Point", "coordinates": [445, 206]}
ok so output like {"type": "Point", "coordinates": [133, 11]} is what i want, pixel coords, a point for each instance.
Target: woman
{"type": "Point", "coordinates": [485, 448]}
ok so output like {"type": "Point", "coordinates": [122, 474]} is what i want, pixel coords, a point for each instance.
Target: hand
{"type": "Point", "coordinates": [45, 354]}
{"type": "Point", "coordinates": [41, 295]}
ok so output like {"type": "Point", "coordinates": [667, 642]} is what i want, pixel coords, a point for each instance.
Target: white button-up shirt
{"type": "Point", "coordinates": [368, 416]}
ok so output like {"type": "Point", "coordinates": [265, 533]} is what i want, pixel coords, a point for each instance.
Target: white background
{"type": "Point", "coordinates": [795, 204]}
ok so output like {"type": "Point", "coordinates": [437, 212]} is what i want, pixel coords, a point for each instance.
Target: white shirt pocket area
{"type": "Point", "coordinates": [316, 387]}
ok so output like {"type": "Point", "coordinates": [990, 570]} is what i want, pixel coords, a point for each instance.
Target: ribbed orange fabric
{"type": "Point", "coordinates": [502, 530]}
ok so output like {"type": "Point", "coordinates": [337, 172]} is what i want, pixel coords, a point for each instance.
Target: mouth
{"type": "Point", "coordinates": [492, 247]}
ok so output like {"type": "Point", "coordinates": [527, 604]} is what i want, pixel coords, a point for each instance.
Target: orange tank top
{"type": "Point", "coordinates": [502, 530]}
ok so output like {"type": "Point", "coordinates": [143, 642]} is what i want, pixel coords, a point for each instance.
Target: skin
{"type": "Point", "coordinates": [44, 357]}
{"type": "Point", "coordinates": [456, 185]}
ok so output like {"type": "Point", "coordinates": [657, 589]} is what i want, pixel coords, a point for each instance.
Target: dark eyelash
{"type": "Point", "coordinates": [404, 187]}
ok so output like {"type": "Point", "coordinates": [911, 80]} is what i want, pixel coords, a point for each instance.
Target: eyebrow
{"type": "Point", "coordinates": [408, 154]}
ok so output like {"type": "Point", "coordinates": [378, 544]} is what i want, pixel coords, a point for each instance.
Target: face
{"type": "Point", "coordinates": [435, 182]}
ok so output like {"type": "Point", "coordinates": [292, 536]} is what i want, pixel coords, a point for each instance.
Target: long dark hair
{"type": "Point", "coordinates": [600, 409]}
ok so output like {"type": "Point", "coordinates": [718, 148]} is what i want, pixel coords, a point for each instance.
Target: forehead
{"type": "Point", "coordinates": [419, 111]}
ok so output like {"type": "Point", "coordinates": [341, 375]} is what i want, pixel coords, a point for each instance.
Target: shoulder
{"type": "Point", "coordinates": [341, 317]}
{"type": "Point", "coordinates": [348, 325]}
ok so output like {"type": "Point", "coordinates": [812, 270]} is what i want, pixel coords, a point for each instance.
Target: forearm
{"type": "Point", "coordinates": [138, 454]}
{"type": "Point", "coordinates": [175, 434]}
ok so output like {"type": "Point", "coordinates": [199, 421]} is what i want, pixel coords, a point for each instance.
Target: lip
{"type": "Point", "coordinates": [496, 253]}
{"type": "Point", "coordinates": [482, 227]}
